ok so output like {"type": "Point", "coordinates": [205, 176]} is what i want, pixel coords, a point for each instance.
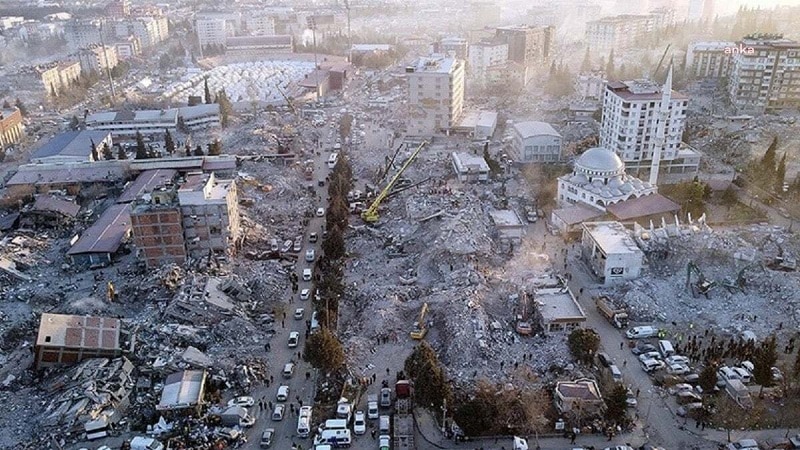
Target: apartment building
{"type": "Point", "coordinates": [56, 77]}
{"type": "Point", "coordinates": [591, 86]}
{"type": "Point", "coordinates": [765, 74]}
{"type": "Point", "coordinates": [436, 94]}
{"type": "Point", "coordinates": [486, 54]}
{"type": "Point", "coordinates": [82, 33]}
{"type": "Point", "coordinates": [157, 227]}
{"type": "Point", "coordinates": [149, 30]}
{"type": "Point", "coordinates": [527, 45]}
{"type": "Point", "coordinates": [453, 46]}
{"type": "Point", "coordinates": [633, 128]}
{"type": "Point", "coordinates": [118, 8]}
{"type": "Point", "coordinates": [624, 31]}
{"type": "Point", "coordinates": [98, 58]}
{"type": "Point", "coordinates": [211, 31]}
{"type": "Point", "coordinates": [10, 127]}
{"type": "Point", "coordinates": [210, 211]}
{"type": "Point", "coordinates": [259, 24]}
{"type": "Point", "coordinates": [709, 59]}
{"type": "Point", "coordinates": [128, 48]}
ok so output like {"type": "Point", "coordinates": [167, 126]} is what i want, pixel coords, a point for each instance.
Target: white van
{"type": "Point", "coordinates": [383, 424]}
{"type": "Point", "coordinates": [146, 443]}
{"type": "Point", "coordinates": [642, 332]}
{"type": "Point", "coordinates": [332, 160]}
{"type": "Point", "coordinates": [665, 348]}
{"type": "Point", "coordinates": [337, 438]}
{"type": "Point", "coordinates": [616, 374]}
{"type": "Point", "coordinates": [304, 422]}
{"type": "Point", "coordinates": [336, 424]}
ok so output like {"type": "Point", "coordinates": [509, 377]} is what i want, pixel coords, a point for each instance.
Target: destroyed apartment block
{"type": "Point", "coordinates": [508, 226]}
{"type": "Point", "coordinates": [611, 252]}
{"type": "Point", "coordinates": [97, 246]}
{"type": "Point", "coordinates": [558, 310]}
{"type": "Point", "coordinates": [66, 339]}
{"type": "Point", "coordinates": [207, 300]}
{"type": "Point", "coordinates": [50, 211]}
{"type": "Point", "coordinates": [183, 392]}
{"type": "Point", "coordinates": [92, 395]}
{"type": "Point", "coordinates": [195, 219]}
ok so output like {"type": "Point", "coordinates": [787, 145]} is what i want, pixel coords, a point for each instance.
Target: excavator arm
{"type": "Point", "coordinates": [371, 214]}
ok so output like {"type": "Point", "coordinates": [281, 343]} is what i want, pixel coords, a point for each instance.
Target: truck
{"type": "Point", "coordinates": [403, 436]}
{"type": "Point", "coordinates": [616, 315]}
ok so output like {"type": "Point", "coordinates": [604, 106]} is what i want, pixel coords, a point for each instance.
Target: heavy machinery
{"type": "Point", "coordinates": [702, 285]}
{"type": "Point", "coordinates": [289, 101]}
{"type": "Point", "coordinates": [741, 281]}
{"type": "Point", "coordinates": [111, 292]}
{"type": "Point", "coordinates": [614, 314]}
{"type": "Point", "coordinates": [781, 262]}
{"type": "Point", "coordinates": [371, 214]}
{"type": "Point", "coordinates": [523, 326]}
{"type": "Point", "coordinates": [403, 435]}
{"type": "Point", "coordinates": [420, 328]}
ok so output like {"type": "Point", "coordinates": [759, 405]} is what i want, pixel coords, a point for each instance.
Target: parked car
{"type": "Point", "coordinates": [677, 359]}
{"type": "Point", "coordinates": [298, 244]}
{"type": "Point", "coordinates": [744, 444]}
{"type": "Point", "coordinates": [681, 387]}
{"type": "Point", "coordinates": [288, 370]}
{"type": "Point", "coordinates": [643, 348]}
{"type": "Point", "coordinates": [230, 434]}
{"type": "Point", "coordinates": [684, 410]}
{"type": "Point", "coordinates": [383, 442]}
{"type": "Point", "coordinates": [386, 397]}
{"type": "Point", "coordinates": [744, 375]}
{"type": "Point", "coordinates": [677, 369]}
{"type": "Point", "coordinates": [651, 365]}
{"type": "Point", "coordinates": [283, 393]}
{"type": "Point", "coordinates": [313, 237]}
{"type": "Point", "coordinates": [688, 397]}
{"type": "Point", "coordinates": [306, 274]}
{"type": "Point", "coordinates": [287, 246]}
{"type": "Point", "coordinates": [649, 355]}
{"type": "Point", "coordinates": [359, 423]}
{"type": "Point", "coordinates": [310, 255]}
{"type": "Point", "coordinates": [604, 359]}
{"type": "Point", "coordinates": [305, 294]}
{"type": "Point", "coordinates": [277, 414]}
{"type": "Point", "coordinates": [294, 339]}
{"type": "Point", "coordinates": [266, 438]}
{"type": "Point", "coordinates": [320, 212]}
{"type": "Point", "coordinates": [243, 401]}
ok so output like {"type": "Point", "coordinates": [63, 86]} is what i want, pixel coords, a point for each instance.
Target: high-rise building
{"type": "Point", "coordinates": [212, 31]}
{"type": "Point", "coordinates": [701, 10]}
{"type": "Point", "coordinates": [765, 74]}
{"type": "Point", "coordinates": [82, 33]}
{"type": "Point", "coordinates": [149, 30]}
{"type": "Point", "coordinates": [709, 59]}
{"type": "Point", "coordinates": [98, 58]}
{"type": "Point", "coordinates": [486, 54]}
{"type": "Point", "coordinates": [436, 94]}
{"type": "Point", "coordinates": [529, 46]}
{"type": "Point", "coordinates": [643, 123]}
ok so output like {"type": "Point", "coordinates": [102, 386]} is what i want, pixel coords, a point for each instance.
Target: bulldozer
{"type": "Point", "coordinates": [420, 328]}
{"type": "Point", "coordinates": [522, 325]}
{"type": "Point", "coordinates": [702, 285]}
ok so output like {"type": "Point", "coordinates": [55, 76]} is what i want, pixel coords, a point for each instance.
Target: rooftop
{"type": "Point", "coordinates": [71, 143]}
{"type": "Point", "coordinates": [643, 206]}
{"type": "Point", "coordinates": [599, 159]}
{"type": "Point", "coordinates": [577, 214]}
{"type": "Point", "coordinates": [182, 390]}
{"type": "Point", "coordinates": [434, 65]}
{"type": "Point", "coordinates": [203, 189]}
{"type": "Point", "coordinates": [146, 182]}
{"type": "Point", "coordinates": [711, 45]}
{"type": "Point", "coordinates": [147, 115]}
{"type": "Point", "coordinates": [61, 330]}
{"type": "Point", "coordinates": [201, 110]}
{"type": "Point", "coordinates": [107, 233]}
{"type": "Point", "coordinates": [258, 41]}
{"type": "Point", "coordinates": [640, 90]}
{"type": "Point", "coordinates": [532, 128]}
{"type": "Point", "coordinates": [55, 204]}
{"type": "Point", "coordinates": [611, 237]}
{"type": "Point", "coordinates": [86, 172]}
{"type": "Point", "coordinates": [558, 304]}
{"type": "Point", "coordinates": [477, 118]}
{"type": "Point", "coordinates": [466, 162]}
{"type": "Point", "coordinates": [505, 218]}
{"type": "Point", "coordinates": [583, 389]}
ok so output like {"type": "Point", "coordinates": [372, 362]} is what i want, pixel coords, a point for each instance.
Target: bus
{"type": "Point", "coordinates": [332, 160]}
{"type": "Point", "coordinates": [304, 422]}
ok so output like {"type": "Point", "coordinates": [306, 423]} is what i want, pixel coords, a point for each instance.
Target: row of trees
{"type": "Point", "coordinates": [225, 104]}
{"type": "Point", "coordinates": [769, 174]}
{"type": "Point", "coordinates": [144, 151]}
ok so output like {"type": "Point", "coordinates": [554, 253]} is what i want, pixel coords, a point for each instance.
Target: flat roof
{"type": "Point", "coordinates": [107, 233]}
{"type": "Point", "coordinates": [146, 182]}
{"type": "Point", "coordinates": [88, 172]}
{"type": "Point", "coordinates": [430, 64]}
{"type": "Point", "coordinates": [611, 237]}
{"type": "Point", "coordinates": [54, 204]}
{"type": "Point", "coordinates": [576, 214]}
{"type": "Point", "coordinates": [195, 192]}
{"type": "Point", "coordinates": [643, 206]}
{"type": "Point", "coordinates": [71, 143]}
{"type": "Point", "coordinates": [466, 161]}
{"type": "Point", "coordinates": [62, 330]}
{"type": "Point", "coordinates": [641, 90]}
{"type": "Point", "coordinates": [256, 41]}
{"type": "Point", "coordinates": [583, 389]}
{"type": "Point", "coordinates": [201, 110]}
{"type": "Point", "coordinates": [182, 390]}
{"type": "Point", "coordinates": [477, 118]}
{"type": "Point", "coordinates": [534, 128]}
{"type": "Point", "coordinates": [505, 218]}
{"type": "Point", "coordinates": [558, 304]}
{"type": "Point", "coordinates": [146, 115]}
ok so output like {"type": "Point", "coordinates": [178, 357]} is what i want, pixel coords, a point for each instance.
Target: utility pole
{"type": "Point", "coordinates": [312, 24]}
{"type": "Point", "coordinates": [349, 38]}
{"type": "Point", "coordinates": [108, 69]}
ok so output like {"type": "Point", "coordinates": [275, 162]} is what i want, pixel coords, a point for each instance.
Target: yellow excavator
{"type": "Point", "coordinates": [420, 330]}
{"type": "Point", "coordinates": [371, 214]}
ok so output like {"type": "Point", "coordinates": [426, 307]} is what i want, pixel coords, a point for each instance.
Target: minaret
{"type": "Point", "coordinates": [663, 113]}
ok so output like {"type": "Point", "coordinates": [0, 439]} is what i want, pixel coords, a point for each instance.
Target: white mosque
{"type": "Point", "coordinates": [598, 180]}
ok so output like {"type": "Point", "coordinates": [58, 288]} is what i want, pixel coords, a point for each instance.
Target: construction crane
{"type": "Point", "coordinates": [703, 285]}
{"type": "Point", "coordinates": [661, 61]}
{"type": "Point", "coordinates": [420, 329]}
{"type": "Point", "coordinates": [523, 326]}
{"type": "Point", "coordinates": [390, 163]}
{"type": "Point", "coordinates": [289, 101]}
{"type": "Point", "coordinates": [371, 214]}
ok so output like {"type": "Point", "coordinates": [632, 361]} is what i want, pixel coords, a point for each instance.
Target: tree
{"type": "Point", "coordinates": [796, 366]}
{"type": "Point", "coordinates": [206, 91]}
{"type": "Point", "coordinates": [586, 65]}
{"type": "Point", "coordinates": [767, 164]}
{"type": "Point", "coordinates": [198, 151]}
{"type": "Point", "coordinates": [708, 377]}
{"type": "Point", "coordinates": [121, 154]}
{"type": "Point", "coordinates": [476, 414]}
{"type": "Point", "coordinates": [617, 404]}
{"type": "Point", "coordinates": [225, 108]}
{"type": "Point", "coordinates": [324, 351]}
{"type": "Point", "coordinates": [334, 245]}
{"type": "Point", "coordinates": [763, 361]}
{"type": "Point", "coordinates": [430, 383]}
{"type": "Point", "coordinates": [21, 107]}
{"type": "Point", "coordinates": [169, 143]}
{"type": "Point", "coordinates": [95, 156]}
{"type": "Point", "coordinates": [141, 149]}
{"type": "Point", "coordinates": [780, 175]}
{"type": "Point", "coordinates": [215, 148]}
{"type": "Point", "coordinates": [345, 125]}
{"type": "Point", "coordinates": [583, 344]}
{"type": "Point", "coordinates": [610, 66]}
{"type": "Point", "coordinates": [729, 197]}
{"type": "Point", "coordinates": [107, 154]}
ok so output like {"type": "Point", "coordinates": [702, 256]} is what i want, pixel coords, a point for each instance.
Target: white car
{"type": "Point", "coordinates": [681, 387]}
{"type": "Point", "coordinates": [383, 442]}
{"type": "Point", "coordinates": [677, 369]}
{"type": "Point", "coordinates": [310, 255]}
{"type": "Point", "coordinates": [247, 421]}
{"type": "Point", "coordinates": [649, 355]}
{"type": "Point", "coordinates": [283, 393]}
{"type": "Point", "coordinates": [304, 294]}
{"type": "Point", "coordinates": [294, 339]}
{"type": "Point", "coordinates": [320, 212]}
{"type": "Point", "coordinates": [299, 313]}
{"type": "Point", "coordinates": [306, 274]}
{"type": "Point", "coordinates": [277, 414]}
{"type": "Point", "coordinates": [359, 423]}
{"type": "Point", "coordinates": [243, 401]}
{"type": "Point", "coordinates": [677, 359]}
